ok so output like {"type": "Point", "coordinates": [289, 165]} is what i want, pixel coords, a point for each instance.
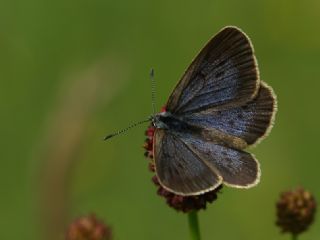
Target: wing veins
{"type": "Point", "coordinates": [214, 170]}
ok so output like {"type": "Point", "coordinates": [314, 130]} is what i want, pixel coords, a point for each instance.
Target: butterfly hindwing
{"type": "Point", "coordinates": [237, 168]}
{"type": "Point", "coordinates": [249, 122]}
{"type": "Point", "coordinates": [223, 74]}
{"type": "Point", "coordinates": [180, 170]}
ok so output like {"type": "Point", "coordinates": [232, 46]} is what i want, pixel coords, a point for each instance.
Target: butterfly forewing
{"type": "Point", "coordinates": [179, 169]}
{"type": "Point", "coordinates": [223, 74]}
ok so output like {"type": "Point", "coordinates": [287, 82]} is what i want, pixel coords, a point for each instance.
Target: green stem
{"type": "Point", "coordinates": [294, 237]}
{"type": "Point", "coordinates": [194, 225]}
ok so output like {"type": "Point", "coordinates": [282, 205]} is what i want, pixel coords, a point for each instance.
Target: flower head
{"type": "Point", "coordinates": [178, 202]}
{"type": "Point", "coordinates": [295, 211]}
{"type": "Point", "coordinates": [88, 228]}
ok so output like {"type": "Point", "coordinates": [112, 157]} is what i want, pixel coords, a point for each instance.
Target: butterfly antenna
{"type": "Point", "coordinates": [153, 87]}
{"type": "Point", "coordinates": [153, 91]}
{"type": "Point", "coordinates": [126, 129]}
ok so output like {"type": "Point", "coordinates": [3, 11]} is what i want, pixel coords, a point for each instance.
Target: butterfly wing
{"type": "Point", "coordinates": [237, 168]}
{"type": "Point", "coordinates": [179, 169]}
{"type": "Point", "coordinates": [223, 74]}
{"type": "Point", "coordinates": [250, 122]}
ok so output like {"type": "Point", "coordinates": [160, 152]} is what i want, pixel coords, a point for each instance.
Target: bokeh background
{"type": "Point", "coordinates": [73, 71]}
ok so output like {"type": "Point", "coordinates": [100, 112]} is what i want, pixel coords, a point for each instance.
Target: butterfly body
{"type": "Point", "coordinates": [218, 108]}
{"type": "Point", "coordinates": [170, 122]}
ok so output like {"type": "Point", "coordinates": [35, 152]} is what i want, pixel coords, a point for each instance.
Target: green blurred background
{"type": "Point", "coordinates": [72, 71]}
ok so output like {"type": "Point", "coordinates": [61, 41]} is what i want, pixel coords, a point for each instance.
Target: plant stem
{"type": "Point", "coordinates": [194, 225]}
{"type": "Point", "coordinates": [294, 237]}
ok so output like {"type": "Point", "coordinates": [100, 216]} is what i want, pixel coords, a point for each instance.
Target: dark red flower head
{"type": "Point", "coordinates": [178, 202]}
{"type": "Point", "coordinates": [295, 211]}
{"type": "Point", "coordinates": [88, 228]}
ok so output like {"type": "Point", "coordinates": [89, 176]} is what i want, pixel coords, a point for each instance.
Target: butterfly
{"type": "Point", "coordinates": [218, 109]}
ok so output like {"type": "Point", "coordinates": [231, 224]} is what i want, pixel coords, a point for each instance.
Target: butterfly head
{"type": "Point", "coordinates": [158, 120]}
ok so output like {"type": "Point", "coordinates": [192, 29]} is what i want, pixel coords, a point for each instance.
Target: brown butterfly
{"type": "Point", "coordinates": [218, 108]}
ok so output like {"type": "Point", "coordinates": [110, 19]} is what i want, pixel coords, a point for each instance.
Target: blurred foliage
{"type": "Point", "coordinates": [43, 43]}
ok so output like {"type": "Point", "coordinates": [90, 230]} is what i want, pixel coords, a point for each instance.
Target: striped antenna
{"type": "Point", "coordinates": [126, 129]}
{"type": "Point", "coordinates": [153, 91]}
{"type": "Point", "coordinates": [149, 118]}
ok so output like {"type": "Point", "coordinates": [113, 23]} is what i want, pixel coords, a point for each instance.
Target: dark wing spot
{"type": "Point", "coordinates": [240, 116]}
{"type": "Point", "coordinates": [244, 107]}
{"type": "Point", "coordinates": [219, 74]}
{"type": "Point", "coordinates": [231, 122]}
{"type": "Point", "coordinates": [202, 74]}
